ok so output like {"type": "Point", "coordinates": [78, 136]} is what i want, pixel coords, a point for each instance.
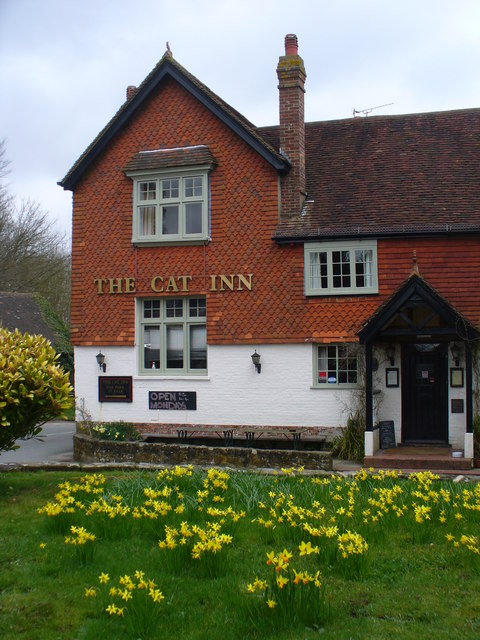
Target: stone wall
{"type": "Point", "coordinates": [88, 449]}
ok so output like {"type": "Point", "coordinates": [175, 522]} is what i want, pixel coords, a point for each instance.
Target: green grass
{"type": "Point", "coordinates": [413, 582]}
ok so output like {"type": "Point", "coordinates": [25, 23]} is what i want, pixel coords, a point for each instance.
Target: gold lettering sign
{"type": "Point", "coordinates": [174, 284]}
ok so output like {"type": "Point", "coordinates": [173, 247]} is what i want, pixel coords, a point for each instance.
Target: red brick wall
{"type": "Point", "coordinates": [244, 195]}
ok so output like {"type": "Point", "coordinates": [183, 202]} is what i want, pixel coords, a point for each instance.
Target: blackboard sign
{"type": "Point", "coordinates": [457, 405]}
{"type": "Point", "coordinates": [115, 388]}
{"type": "Point", "coordinates": [172, 400]}
{"type": "Point", "coordinates": [387, 434]}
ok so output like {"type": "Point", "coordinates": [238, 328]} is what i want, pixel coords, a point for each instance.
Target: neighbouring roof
{"type": "Point", "coordinates": [21, 311]}
{"type": "Point", "coordinates": [383, 175]}
{"type": "Point", "coordinates": [169, 67]}
{"type": "Point", "coordinates": [164, 158]}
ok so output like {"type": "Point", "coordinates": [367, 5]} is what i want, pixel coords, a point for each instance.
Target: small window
{"type": "Point", "coordinates": [170, 209]}
{"type": "Point", "coordinates": [340, 268]}
{"type": "Point", "coordinates": [336, 364]}
{"type": "Point", "coordinates": [173, 336]}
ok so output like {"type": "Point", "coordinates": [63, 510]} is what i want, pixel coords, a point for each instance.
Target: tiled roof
{"type": "Point", "coordinates": [21, 311]}
{"type": "Point", "coordinates": [168, 66]}
{"type": "Point", "coordinates": [409, 174]}
{"type": "Point", "coordinates": [163, 158]}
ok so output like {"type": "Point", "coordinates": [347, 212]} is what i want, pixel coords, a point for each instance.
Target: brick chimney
{"type": "Point", "coordinates": [291, 84]}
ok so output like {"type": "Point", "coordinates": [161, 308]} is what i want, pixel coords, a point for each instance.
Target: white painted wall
{"type": "Point", "coordinates": [233, 393]}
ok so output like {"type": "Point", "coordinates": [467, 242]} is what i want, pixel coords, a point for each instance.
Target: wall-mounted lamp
{"type": "Point", "coordinates": [101, 361]}
{"type": "Point", "coordinates": [455, 350]}
{"type": "Point", "coordinates": [256, 361]}
{"type": "Point", "coordinates": [390, 351]}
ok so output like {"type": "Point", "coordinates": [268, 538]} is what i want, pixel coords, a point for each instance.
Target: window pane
{"type": "Point", "coordinates": [193, 217]}
{"type": "Point", "coordinates": [193, 187]}
{"type": "Point", "coordinates": [198, 346]}
{"type": "Point", "coordinates": [197, 308]}
{"type": "Point", "coordinates": [341, 269]}
{"type": "Point", "coordinates": [363, 267]}
{"type": "Point", "coordinates": [147, 190]}
{"type": "Point", "coordinates": [147, 221]}
{"type": "Point", "coordinates": [174, 308]}
{"type": "Point", "coordinates": [322, 365]}
{"type": "Point", "coordinates": [170, 220]}
{"type": "Point", "coordinates": [174, 347]}
{"type": "Point", "coordinates": [151, 308]}
{"type": "Point", "coordinates": [318, 270]}
{"type": "Point", "coordinates": [151, 347]}
{"type": "Point", "coordinates": [170, 188]}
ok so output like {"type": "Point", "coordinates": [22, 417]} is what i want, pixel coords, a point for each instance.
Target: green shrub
{"type": "Point", "coordinates": [351, 444]}
{"type": "Point", "coordinates": [33, 387]}
{"type": "Point", "coordinates": [119, 431]}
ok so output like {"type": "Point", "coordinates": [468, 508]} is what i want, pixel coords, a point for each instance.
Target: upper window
{"type": "Point", "coordinates": [341, 268]}
{"type": "Point", "coordinates": [170, 208]}
{"type": "Point", "coordinates": [173, 335]}
{"type": "Point", "coordinates": [336, 364]}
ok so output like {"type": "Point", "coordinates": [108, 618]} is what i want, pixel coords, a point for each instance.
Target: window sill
{"type": "Point", "coordinates": [170, 243]}
{"type": "Point", "coordinates": [337, 387]}
{"type": "Point", "coordinates": [168, 376]}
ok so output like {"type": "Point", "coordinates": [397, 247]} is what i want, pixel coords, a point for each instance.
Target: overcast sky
{"type": "Point", "coordinates": [65, 66]}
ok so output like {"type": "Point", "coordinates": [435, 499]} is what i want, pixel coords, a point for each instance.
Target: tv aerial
{"type": "Point", "coordinates": [366, 112]}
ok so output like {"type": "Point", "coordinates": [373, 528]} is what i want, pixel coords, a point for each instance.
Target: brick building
{"type": "Point", "coordinates": [345, 253]}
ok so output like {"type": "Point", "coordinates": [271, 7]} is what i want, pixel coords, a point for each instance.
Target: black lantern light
{"type": "Point", "coordinates": [390, 351]}
{"type": "Point", "coordinates": [455, 349]}
{"type": "Point", "coordinates": [256, 361]}
{"type": "Point", "coordinates": [101, 361]}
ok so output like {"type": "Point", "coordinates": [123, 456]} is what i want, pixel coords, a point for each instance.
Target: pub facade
{"type": "Point", "coordinates": [227, 275]}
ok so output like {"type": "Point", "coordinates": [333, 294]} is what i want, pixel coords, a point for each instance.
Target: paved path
{"type": "Point", "coordinates": [55, 445]}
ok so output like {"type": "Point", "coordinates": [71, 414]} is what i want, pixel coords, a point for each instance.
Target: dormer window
{"type": "Point", "coordinates": [170, 202]}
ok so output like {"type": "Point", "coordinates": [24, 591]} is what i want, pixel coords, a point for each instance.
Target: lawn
{"type": "Point", "coordinates": [200, 554]}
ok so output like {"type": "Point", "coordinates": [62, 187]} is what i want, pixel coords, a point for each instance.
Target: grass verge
{"type": "Point", "coordinates": [210, 554]}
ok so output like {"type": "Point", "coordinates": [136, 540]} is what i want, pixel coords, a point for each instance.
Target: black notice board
{"type": "Point", "coordinates": [115, 389]}
{"type": "Point", "coordinates": [387, 434]}
{"type": "Point", "coordinates": [172, 400]}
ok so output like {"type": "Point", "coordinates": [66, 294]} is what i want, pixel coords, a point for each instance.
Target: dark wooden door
{"type": "Point", "coordinates": [424, 393]}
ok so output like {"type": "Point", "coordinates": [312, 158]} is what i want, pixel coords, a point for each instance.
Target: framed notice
{"type": "Point", "coordinates": [115, 389]}
{"type": "Point", "coordinates": [456, 377]}
{"type": "Point", "coordinates": [391, 377]}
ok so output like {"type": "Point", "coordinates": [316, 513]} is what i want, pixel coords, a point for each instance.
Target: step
{"type": "Point", "coordinates": [427, 462]}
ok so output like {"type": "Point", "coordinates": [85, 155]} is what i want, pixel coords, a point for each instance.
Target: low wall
{"type": "Point", "coordinates": [88, 449]}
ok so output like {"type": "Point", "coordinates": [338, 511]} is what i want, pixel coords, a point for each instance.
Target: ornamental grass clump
{"type": "Point", "coordinates": [82, 541]}
{"type": "Point", "coordinates": [135, 601]}
{"type": "Point", "coordinates": [290, 595]}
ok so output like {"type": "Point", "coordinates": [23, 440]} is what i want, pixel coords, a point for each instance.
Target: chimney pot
{"type": "Point", "coordinates": [291, 45]}
{"type": "Point", "coordinates": [131, 90]}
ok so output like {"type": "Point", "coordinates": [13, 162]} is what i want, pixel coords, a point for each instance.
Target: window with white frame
{"type": "Point", "coordinates": [336, 364]}
{"type": "Point", "coordinates": [172, 207]}
{"type": "Point", "coordinates": [173, 335]}
{"type": "Point", "coordinates": [340, 268]}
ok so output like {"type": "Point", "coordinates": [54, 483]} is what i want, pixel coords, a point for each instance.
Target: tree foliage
{"type": "Point", "coordinates": [33, 387]}
{"type": "Point", "coordinates": [34, 257]}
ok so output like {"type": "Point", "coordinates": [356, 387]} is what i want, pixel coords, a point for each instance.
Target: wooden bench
{"type": "Point", "coordinates": [229, 434]}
